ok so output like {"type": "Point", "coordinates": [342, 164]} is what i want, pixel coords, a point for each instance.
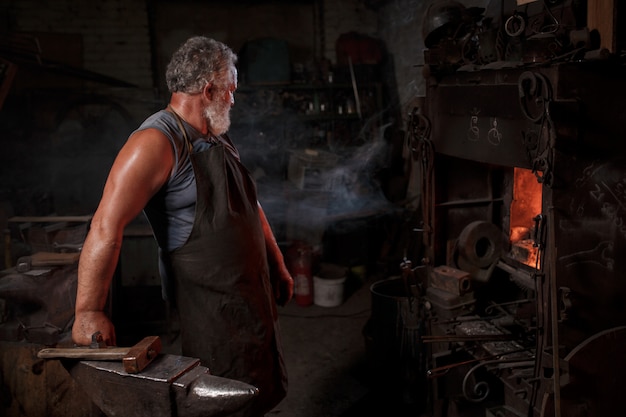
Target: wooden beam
{"type": "Point", "coordinates": [601, 16]}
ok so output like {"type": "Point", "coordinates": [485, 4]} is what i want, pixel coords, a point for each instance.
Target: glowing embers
{"type": "Point", "coordinates": [525, 206]}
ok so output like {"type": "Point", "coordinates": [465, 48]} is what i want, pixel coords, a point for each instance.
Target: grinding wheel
{"type": "Point", "coordinates": [480, 244]}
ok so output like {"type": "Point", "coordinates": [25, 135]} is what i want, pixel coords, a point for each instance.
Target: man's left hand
{"type": "Point", "coordinates": [282, 284]}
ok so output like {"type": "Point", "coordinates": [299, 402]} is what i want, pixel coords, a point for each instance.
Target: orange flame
{"type": "Point", "coordinates": [526, 204]}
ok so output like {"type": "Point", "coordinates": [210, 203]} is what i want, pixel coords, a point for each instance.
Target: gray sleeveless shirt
{"type": "Point", "coordinates": [171, 210]}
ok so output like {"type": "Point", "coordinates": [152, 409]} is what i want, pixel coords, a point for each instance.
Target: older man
{"type": "Point", "coordinates": [219, 261]}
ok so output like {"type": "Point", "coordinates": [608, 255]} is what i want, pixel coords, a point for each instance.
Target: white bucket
{"type": "Point", "coordinates": [328, 286]}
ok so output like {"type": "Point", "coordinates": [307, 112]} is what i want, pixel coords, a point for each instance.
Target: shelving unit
{"type": "Point", "coordinates": [330, 114]}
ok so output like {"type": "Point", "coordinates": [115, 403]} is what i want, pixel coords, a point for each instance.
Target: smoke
{"type": "Point", "coordinates": [307, 180]}
{"type": "Point", "coordinates": [354, 180]}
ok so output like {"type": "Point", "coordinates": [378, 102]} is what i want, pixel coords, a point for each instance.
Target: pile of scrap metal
{"type": "Point", "coordinates": [37, 292]}
{"type": "Point", "coordinates": [504, 34]}
{"type": "Point", "coordinates": [37, 304]}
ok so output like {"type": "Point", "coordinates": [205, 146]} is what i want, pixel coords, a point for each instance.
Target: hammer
{"type": "Point", "coordinates": [135, 358]}
{"type": "Point", "coordinates": [45, 259]}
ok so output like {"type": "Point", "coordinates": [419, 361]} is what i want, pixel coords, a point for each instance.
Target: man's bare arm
{"type": "Point", "coordinates": [140, 169]}
{"type": "Point", "coordinates": [281, 279]}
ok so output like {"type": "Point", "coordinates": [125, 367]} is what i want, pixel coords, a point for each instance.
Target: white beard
{"type": "Point", "coordinates": [218, 118]}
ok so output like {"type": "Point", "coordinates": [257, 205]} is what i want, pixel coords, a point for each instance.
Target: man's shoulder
{"type": "Point", "coordinates": [160, 123]}
{"type": "Point", "coordinates": [159, 119]}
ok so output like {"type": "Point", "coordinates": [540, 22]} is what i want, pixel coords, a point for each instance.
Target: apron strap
{"type": "Point", "coordinates": [179, 122]}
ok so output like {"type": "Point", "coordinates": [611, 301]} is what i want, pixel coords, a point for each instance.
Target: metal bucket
{"type": "Point", "coordinates": [392, 336]}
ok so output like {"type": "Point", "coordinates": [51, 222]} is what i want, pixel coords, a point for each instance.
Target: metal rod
{"type": "Point", "coordinates": [554, 315]}
{"type": "Point", "coordinates": [467, 338]}
{"type": "Point", "coordinates": [354, 87]}
{"type": "Point", "coordinates": [442, 370]}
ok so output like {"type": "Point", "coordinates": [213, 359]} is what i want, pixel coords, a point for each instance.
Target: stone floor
{"type": "Point", "coordinates": [328, 362]}
{"type": "Point", "coordinates": [324, 353]}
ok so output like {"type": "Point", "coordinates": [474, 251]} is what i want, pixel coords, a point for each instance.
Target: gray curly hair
{"type": "Point", "coordinates": [197, 61]}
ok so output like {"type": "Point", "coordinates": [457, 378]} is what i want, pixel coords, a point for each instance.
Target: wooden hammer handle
{"type": "Point", "coordinates": [135, 358]}
{"type": "Point", "coordinates": [84, 353]}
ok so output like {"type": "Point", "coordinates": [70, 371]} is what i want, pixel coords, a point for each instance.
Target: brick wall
{"type": "Point", "coordinates": [400, 26]}
{"type": "Point", "coordinates": [77, 125]}
{"type": "Point", "coordinates": [401, 29]}
{"type": "Point", "coordinates": [115, 36]}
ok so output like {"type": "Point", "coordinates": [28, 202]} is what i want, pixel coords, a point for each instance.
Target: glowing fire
{"type": "Point", "coordinates": [526, 204]}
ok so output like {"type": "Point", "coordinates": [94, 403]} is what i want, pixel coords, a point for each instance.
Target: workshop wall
{"type": "Point", "coordinates": [83, 78]}
{"type": "Point", "coordinates": [310, 28]}
{"type": "Point", "coordinates": [233, 23]}
{"type": "Point", "coordinates": [114, 33]}
{"type": "Point", "coordinates": [77, 124]}
{"type": "Point", "coordinates": [400, 28]}
{"type": "Point", "coordinates": [340, 17]}
{"type": "Point", "coordinates": [131, 41]}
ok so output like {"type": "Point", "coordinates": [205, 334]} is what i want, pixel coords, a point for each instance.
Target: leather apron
{"type": "Point", "coordinates": [228, 315]}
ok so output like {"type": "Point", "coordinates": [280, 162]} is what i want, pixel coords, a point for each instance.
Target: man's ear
{"type": "Point", "coordinates": [207, 92]}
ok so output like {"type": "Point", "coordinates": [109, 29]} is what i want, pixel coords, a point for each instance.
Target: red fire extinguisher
{"type": "Point", "coordinates": [300, 265]}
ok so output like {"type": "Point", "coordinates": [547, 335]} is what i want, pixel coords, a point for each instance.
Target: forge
{"type": "Point", "coordinates": [523, 190]}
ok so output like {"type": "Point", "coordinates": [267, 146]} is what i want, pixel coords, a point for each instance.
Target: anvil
{"type": "Point", "coordinates": [171, 385]}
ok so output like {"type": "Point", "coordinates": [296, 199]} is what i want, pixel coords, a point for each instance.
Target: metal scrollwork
{"type": "Point", "coordinates": [473, 133]}
{"type": "Point", "coordinates": [418, 135]}
{"type": "Point", "coordinates": [515, 25]}
{"type": "Point", "coordinates": [423, 151]}
{"type": "Point", "coordinates": [494, 136]}
{"type": "Point", "coordinates": [535, 96]}
{"type": "Point", "coordinates": [480, 390]}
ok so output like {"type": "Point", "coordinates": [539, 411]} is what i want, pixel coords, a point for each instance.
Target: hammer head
{"type": "Point", "coordinates": [140, 355]}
